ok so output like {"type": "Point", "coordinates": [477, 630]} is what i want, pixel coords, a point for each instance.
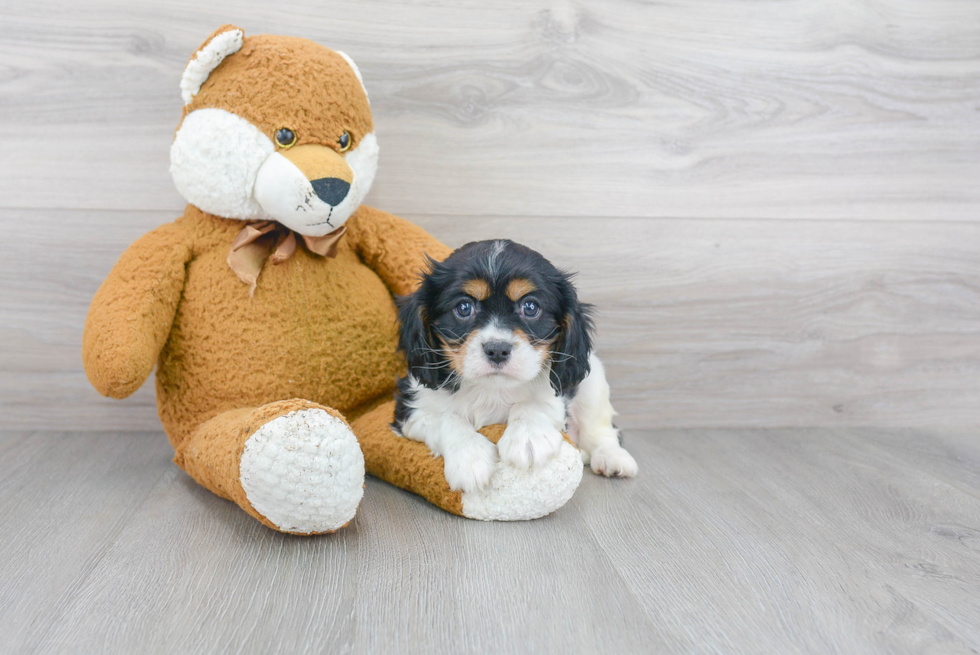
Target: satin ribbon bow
{"type": "Point", "coordinates": [271, 241]}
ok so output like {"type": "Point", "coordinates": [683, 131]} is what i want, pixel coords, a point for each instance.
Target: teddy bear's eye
{"type": "Point", "coordinates": [285, 138]}
{"type": "Point", "coordinates": [344, 142]}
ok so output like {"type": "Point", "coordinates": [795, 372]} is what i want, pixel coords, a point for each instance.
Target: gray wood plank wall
{"type": "Point", "coordinates": [776, 205]}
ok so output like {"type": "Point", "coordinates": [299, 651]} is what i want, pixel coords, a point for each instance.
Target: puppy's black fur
{"type": "Point", "coordinates": [428, 319]}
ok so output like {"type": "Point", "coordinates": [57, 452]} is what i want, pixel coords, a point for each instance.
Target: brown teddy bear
{"type": "Point", "coordinates": [268, 307]}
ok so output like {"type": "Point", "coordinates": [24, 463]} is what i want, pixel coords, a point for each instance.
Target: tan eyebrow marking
{"type": "Point", "coordinates": [519, 287]}
{"type": "Point", "coordinates": [477, 288]}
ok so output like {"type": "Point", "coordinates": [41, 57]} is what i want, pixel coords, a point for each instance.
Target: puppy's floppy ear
{"type": "Point", "coordinates": [570, 352]}
{"type": "Point", "coordinates": [416, 340]}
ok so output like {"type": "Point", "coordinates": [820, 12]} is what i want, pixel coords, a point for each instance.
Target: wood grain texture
{"type": "Point", "coordinates": [768, 541]}
{"type": "Point", "coordinates": [64, 500]}
{"type": "Point", "coordinates": [708, 109]}
{"type": "Point", "coordinates": [701, 323]}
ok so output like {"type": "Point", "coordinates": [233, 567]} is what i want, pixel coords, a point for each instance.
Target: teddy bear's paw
{"type": "Point", "coordinates": [613, 461]}
{"type": "Point", "coordinates": [304, 472]}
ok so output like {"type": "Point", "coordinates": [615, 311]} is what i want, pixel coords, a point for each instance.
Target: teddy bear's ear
{"type": "Point", "coordinates": [356, 70]}
{"type": "Point", "coordinates": [225, 41]}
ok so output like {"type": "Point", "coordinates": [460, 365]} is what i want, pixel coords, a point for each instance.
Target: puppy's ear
{"type": "Point", "coordinates": [416, 340]}
{"type": "Point", "coordinates": [570, 352]}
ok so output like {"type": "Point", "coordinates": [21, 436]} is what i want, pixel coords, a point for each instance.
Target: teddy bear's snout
{"type": "Point", "coordinates": [331, 190]}
{"type": "Point", "coordinates": [328, 172]}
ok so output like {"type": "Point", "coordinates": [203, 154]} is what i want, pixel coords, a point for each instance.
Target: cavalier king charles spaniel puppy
{"type": "Point", "coordinates": [496, 334]}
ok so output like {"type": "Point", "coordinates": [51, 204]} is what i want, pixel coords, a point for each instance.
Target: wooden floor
{"type": "Point", "coordinates": [730, 541]}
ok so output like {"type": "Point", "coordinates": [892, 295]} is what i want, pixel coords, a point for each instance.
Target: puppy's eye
{"type": "Point", "coordinates": [530, 309]}
{"type": "Point", "coordinates": [344, 142]}
{"type": "Point", "coordinates": [285, 138]}
{"type": "Point", "coordinates": [463, 309]}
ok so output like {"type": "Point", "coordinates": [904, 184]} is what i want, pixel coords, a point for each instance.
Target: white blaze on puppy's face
{"type": "Point", "coordinates": [523, 364]}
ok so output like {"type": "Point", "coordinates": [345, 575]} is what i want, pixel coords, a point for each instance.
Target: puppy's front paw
{"type": "Point", "coordinates": [526, 444]}
{"type": "Point", "coordinates": [469, 465]}
{"type": "Point", "coordinates": [613, 461]}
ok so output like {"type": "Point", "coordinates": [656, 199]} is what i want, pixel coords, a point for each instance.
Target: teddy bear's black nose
{"type": "Point", "coordinates": [331, 190]}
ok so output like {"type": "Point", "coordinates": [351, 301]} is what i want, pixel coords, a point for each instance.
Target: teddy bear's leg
{"type": "Point", "coordinates": [512, 495]}
{"type": "Point", "coordinates": [294, 465]}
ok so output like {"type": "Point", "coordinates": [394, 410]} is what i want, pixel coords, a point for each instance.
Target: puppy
{"type": "Point", "coordinates": [496, 334]}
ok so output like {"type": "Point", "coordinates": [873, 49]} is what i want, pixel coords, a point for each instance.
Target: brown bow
{"type": "Point", "coordinates": [269, 240]}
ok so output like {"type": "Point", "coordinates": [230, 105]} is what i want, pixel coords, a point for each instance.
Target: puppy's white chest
{"type": "Point", "coordinates": [491, 400]}
{"type": "Point", "coordinates": [484, 404]}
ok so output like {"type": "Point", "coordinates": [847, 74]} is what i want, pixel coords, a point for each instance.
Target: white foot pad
{"type": "Point", "coordinates": [519, 495]}
{"type": "Point", "coordinates": [304, 472]}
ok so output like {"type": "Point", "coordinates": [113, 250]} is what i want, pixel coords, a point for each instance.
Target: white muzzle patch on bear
{"type": "Point", "coordinates": [224, 165]}
{"type": "Point", "coordinates": [286, 194]}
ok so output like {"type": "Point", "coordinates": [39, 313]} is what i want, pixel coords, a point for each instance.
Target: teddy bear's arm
{"type": "Point", "coordinates": [394, 248]}
{"type": "Point", "coordinates": [131, 314]}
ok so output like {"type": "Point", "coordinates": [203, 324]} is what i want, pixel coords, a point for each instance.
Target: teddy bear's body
{"type": "Point", "coordinates": [268, 307]}
{"type": "Point", "coordinates": [318, 328]}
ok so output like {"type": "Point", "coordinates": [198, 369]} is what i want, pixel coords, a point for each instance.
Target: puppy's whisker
{"type": "Point", "coordinates": [567, 357]}
{"type": "Point", "coordinates": [450, 340]}
{"type": "Point", "coordinates": [546, 339]}
{"type": "Point", "coordinates": [553, 332]}
{"type": "Point", "coordinates": [452, 379]}
{"type": "Point", "coordinates": [427, 350]}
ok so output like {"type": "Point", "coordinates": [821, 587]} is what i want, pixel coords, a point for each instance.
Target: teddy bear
{"type": "Point", "coordinates": [268, 308]}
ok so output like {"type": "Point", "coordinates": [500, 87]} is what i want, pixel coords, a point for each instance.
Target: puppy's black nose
{"type": "Point", "coordinates": [497, 351]}
{"type": "Point", "coordinates": [331, 190]}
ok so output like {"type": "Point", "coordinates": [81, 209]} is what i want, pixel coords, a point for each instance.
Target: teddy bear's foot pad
{"type": "Point", "coordinates": [304, 472]}
{"type": "Point", "coordinates": [519, 495]}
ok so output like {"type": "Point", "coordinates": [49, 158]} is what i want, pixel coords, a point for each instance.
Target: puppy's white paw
{"type": "Point", "coordinates": [525, 444]}
{"type": "Point", "coordinates": [613, 461]}
{"type": "Point", "coordinates": [469, 465]}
